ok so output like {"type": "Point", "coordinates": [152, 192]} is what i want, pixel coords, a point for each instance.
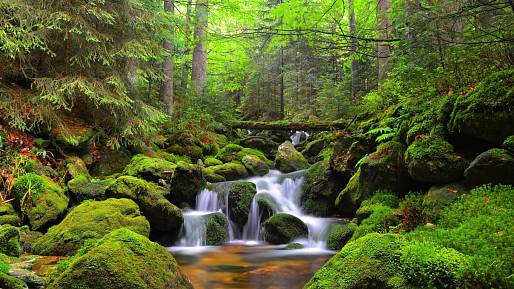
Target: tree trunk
{"type": "Point", "coordinates": [384, 49]}
{"type": "Point", "coordinates": [199, 67]}
{"type": "Point", "coordinates": [166, 92]}
{"type": "Point", "coordinates": [353, 48]}
{"type": "Point", "coordinates": [187, 64]}
{"type": "Point", "coordinates": [282, 106]}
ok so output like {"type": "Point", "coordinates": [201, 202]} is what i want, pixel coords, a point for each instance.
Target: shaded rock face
{"type": "Point", "coordinates": [288, 159]}
{"type": "Point", "coordinates": [164, 217]}
{"type": "Point", "coordinates": [320, 189]}
{"type": "Point", "coordinates": [186, 182]}
{"type": "Point", "coordinates": [284, 228]}
{"type": "Point", "coordinates": [94, 190]}
{"type": "Point", "coordinates": [185, 144]}
{"type": "Point", "coordinates": [240, 199]}
{"type": "Point", "coordinates": [509, 143]}
{"type": "Point", "coordinates": [216, 229]}
{"type": "Point", "coordinates": [438, 197]}
{"type": "Point", "coordinates": [10, 240]}
{"type": "Point", "coordinates": [313, 148]}
{"type": "Point", "coordinates": [348, 151]}
{"type": "Point", "coordinates": [121, 260]}
{"type": "Point", "coordinates": [46, 197]}
{"type": "Point", "coordinates": [493, 166]}
{"type": "Point", "coordinates": [382, 170]}
{"type": "Point", "coordinates": [73, 137]}
{"type": "Point", "coordinates": [432, 160]}
{"type": "Point", "coordinates": [111, 162]}
{"type": "Point", "coordinates": [264, 144]}
{"type": "Point", "coordinates": [340, 235]}
{"type": "Point", "coordinates": [91, 220]}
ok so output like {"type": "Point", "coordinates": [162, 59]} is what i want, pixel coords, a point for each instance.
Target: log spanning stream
{"type": "Point", "coordinates": [246, 261]}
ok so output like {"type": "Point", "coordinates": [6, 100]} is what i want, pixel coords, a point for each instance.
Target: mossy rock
{"type": "Point", "coordinates": [78, 173]}
{"type": "Point", "coordinates": [229, 153]}
{"type": "Point", "coordinates": [439, 197]}
{"type": "Point", "coordinates": [46, 197]}
{"type": "Point", "coordinates": [509, 143]}
{"type": "Point", "coordinates": [433, 160]}
{"type": "Point", "coordinates": [314, 147]}
{"type": "Point", "coordinates": [267, 206]}
{"type": "Point", "coordinates": [10, 240]}
{"type": "Point", "coordinates": [91, 220]}
{"type": "Point", "coordinates": [294, 246]}
{"type": "Point", "coordinates": [28, 238]}
{"type": "Point", "coordinates": [240, 199]}
{"type": "Point", "coordinates": [164, 217]}
{"type": "Point", "coordinates": [382, 170]}
{"type": "Point", "coordinates": [121, 260]}
{"type": "Point", "coordinates": [262, 143]}
{"type": "Point", "coordinates": [216, 229]}
{"type": "Point", "coordinates": [284, 228]}
{"type": "Point", "coordinates": [255, 166]}
{"type": "Point", "coordinates": [381, 218]}
{"type": "Point", "coordinates": [320, 189]}
{"type": "Point", "coordinates": [8, 215]}
{"type": "Point", "coordinates": [493, 166]}
{"type": "Point", "coordinates": [212, 161]}
{"type": "Point", "coordinates": [229, 171]}
{"type": "Point", "coordinates": [111, 162]}
{"type": "Point", "coordinates": [72, 137]}
{"type": "Point", "coordinates": [288, 159]}
{"type": "Point", "coordinates": [212, 177]}
{"type": "Point", "coordinates": [347, 152]}
{"type": "Point", "coordinates": [150, 169]}
{"type": "Point", "coordinates": [486, 112]}
{"type": "Point", "coordinates": [340, 235]}
{"type": "Point", "coordinates": [186, 144]}
{"type": "Point", "coordinates": [380, 198]}
{"type": "Point", "coordinates": [186, 182]}
{"type": "Point", "coordinates": [93, 190]}
{"type": "Point", "coordinates": [10, 282]}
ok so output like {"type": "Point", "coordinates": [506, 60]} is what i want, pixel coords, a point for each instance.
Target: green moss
{"type": "Point", "coordinates": [240, 199]}
{"type": "Point", "coordinates": [381, 219]}
{"type": "Point", "coordinates": [288, 159]}
{"type": "Point", "coordinates": [91, 220]}
{"type": "Point", "coordinates": [40, 199]}
{"type": "Point", "coordinates": [321, 188]}
{"type": "Point", "coordinates": [163, 216]}
{"type": "Point", "coordinates": [121, 260]}
{"type": "Point", "coordinates": [186, 182]}
{"type": "Point", "coordinates": [216, 229]}
{"type": "Point", "coordinates": [10, 240]}
{"type": "Point", "coordinates": [255, 166]}
{"type": "Point", "coordinates": [340, 235]}
{"type": "Point", "coordinates": [78, 172]}
{"type": "Point", "coordinates": [284, 228]}
{"type": "Point", "coordinates": [294, 246]}
{"type": "Point", "coordinates": [212, 161]}
{"type": "Point", "coordinates": [229, 153]}
{"type": "Point", "coordinates": [173, 158]}
{"type": "Point", "coordinates": [230, 171]}
{"type": "Point", "coordinates": [253, 152]}
{"type": "Point", "coordinates": [9, 282]}
{"type": "Point", "coordinates": [8, 215]}
{"type": "Point", "coordinates": [148, 168]}
{"type": "Point", "coordinates": [212, 177]}
{"type": "Point", "coordinates": [509, 143]}
{"type": "Point", "coordinates": [95, 189]}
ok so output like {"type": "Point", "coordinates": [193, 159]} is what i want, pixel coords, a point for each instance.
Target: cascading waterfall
{"type": "Point", "coordinates": [283, 191]}
{"type": "Point", "coordinates": [298, 137]}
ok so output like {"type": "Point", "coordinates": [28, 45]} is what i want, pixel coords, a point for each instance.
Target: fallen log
{"type": "Point", "coordinates": [300, 126]}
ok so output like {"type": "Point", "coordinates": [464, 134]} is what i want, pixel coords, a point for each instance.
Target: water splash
{"type": "Point", "coordinates": [298, 137]}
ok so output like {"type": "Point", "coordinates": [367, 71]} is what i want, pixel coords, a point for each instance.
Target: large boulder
{"type": "Point", "coordinates": [487, 112]}
{"type": "Point", "coordinates": [216, 229]}
{"type": "Point", "coordinates": [40, 199]}
{"type": "Point", "coordinates": [111, 162]}
{"type": "Point", "coordinates": [433, 160]}
{"type": "Point", "coordinates": [92, 190]}
{"type": "Point", "coordinates": [381, 170]}
{"type": "Point", "coordinates": [438, 197]}
{"type": "Point", "coordinates": [228, 171]}
{"type": "Point", "coordinates": [284, 228]}
{"type": "Point", "coordinates": [8, 215]}
{"type": "Point", "coordinates": [313, 148]}
{"type": "Point", "coordinates": [255, 166]}
{"type": "Point", "coordinates": [10, 241]}
{"type": "Point", "coordinates": [240, 199]}
{"type": "Point", "coordinates": [320, 189]}
{"type": "Point", "coordinates": [186, 182]}
{"type": "Point", "coordinates": [164, 217]}
{"type": "Point", "coordinates": [78, 173]}
{"type": "Point", "coordinates": [493, 166]}
{"type": "Point", "coordinates": [262, 143]}
{"type": "Point", "coordinates": [288, 159]}
{"type": "Point", "coordinates": [121, 260]}
{"type": "Point", "coordinates": [150, 169]}
{"type": "Point", "coordinates": [73, 136]}
{"type": "Point", "coordinates": [348, 150]}
{"type": "Point", "coordinates": [91, 220]}
{"type": "Point", "coordinates": [185, 144]}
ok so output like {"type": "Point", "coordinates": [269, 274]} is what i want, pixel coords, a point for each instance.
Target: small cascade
{"type": "Point", "coordinates": [194, 230]}
{"type": "Point", "coordinates": [298, 137]}
{"type": "Point", "coordinates": [207, 201]}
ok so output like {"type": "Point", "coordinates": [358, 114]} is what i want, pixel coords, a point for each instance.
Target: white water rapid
{"type": "Point", "coordinates": [282, 191]}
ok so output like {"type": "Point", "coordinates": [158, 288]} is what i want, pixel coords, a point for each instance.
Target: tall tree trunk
{"type": "Point", "coordinates": [166, 92]}
{"type": "Point", "coordinates": [384, 49]}
{"type": "Point", "coordinates": [187, 64]}
{"type": "Point", "coordinates": [199, 67]}
{"type": "Point", "coordinates": [353, 48]}
{"type": "Point", "coordinates": [282, 105]}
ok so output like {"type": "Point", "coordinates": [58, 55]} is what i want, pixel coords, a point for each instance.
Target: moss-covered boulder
{"type": "Point", "coordinates": [380, 219]}
{"type": "Point", "coordinates": [40, 199]}
{"type": "Point", "coordinates": [78, 173]}
{"type": "Point", "coordinates": [8, 215]}
{"type": "Point", "coordinates": [121, 260]}
{"type": "Point", "coordinates": [212, 161]}
{"type": "Point", "coordinates": [186, 183]}
{"type": "Point", "coordinates": [229, 153]}
{"type": "Point", "coordinates": [486, 112]}
{"type": "Point", "coordinates": [439, 197]}
{"type": "Point", "coordinates": [164, 217]}
{"type": "Point", "coordinates": [320, 189]}
{"type": "Point", "coordinates": [111, 162]}
{"type": "Point", "coordinates": [284, 228]}
{"type": "Point", "coordinates": [73, 136]}
{"type": "Point", "coordinates": [255, 166]}
{"type": "Point", "coordinates": [150, 169]}
{"type": "Point", "coordinates": [433, 160]}
{"type": "Point", "coordinates": [262, 143]}
{"type": "Point", "coordinates": [211, 177]}
{"type": "Point", "coordinates": [288, 159]}
{"type": "Point", "coordinates": [185, 144]}
{"type": "Point", "coordinates": [381, 170]}
{"type": "Point", "coordinates": [216, 229]}
{"type": "Point", "coordinates": [348, 150]}
{"type": "Point", "coordinates": [493, 166]}
{"type": "Point", "coordinates": [10, 282]}
{"type": "Point", "coordinates": [93, 190]}
{"type": "Point", "coordinates": [509, 143]}
{"type": "Point", "coordinates": [340, 235]}
{"type": "Point", "coordinates": [91, 220]}
{"type": "Point", "coordinates": [229, 171]}
{"type": "Point", "coordinates": [10, 240]}
{"type": "Point", "coordinates": [314, 147]}
{"type": "Point", "coordinates": [240, 199]}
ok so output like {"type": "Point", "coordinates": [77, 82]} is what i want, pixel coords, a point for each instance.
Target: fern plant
{"type": "Point", "coordinates": [382, 134]}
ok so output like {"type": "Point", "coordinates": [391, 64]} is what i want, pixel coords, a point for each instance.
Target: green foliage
{"type": "Point", "coordinates": [148, 168]}
{"type": "Point", "coordinates": [411, 211]}
{"type": "Point", "coordinates": [381, 220]}
{"type": "Point", "coordinates": [340, 235]}
{"type": "Point", "coordinates": [382, 134]}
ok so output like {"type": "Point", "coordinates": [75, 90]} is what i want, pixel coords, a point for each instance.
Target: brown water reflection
{"type": "Point", "coordinates": [250, 267]}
